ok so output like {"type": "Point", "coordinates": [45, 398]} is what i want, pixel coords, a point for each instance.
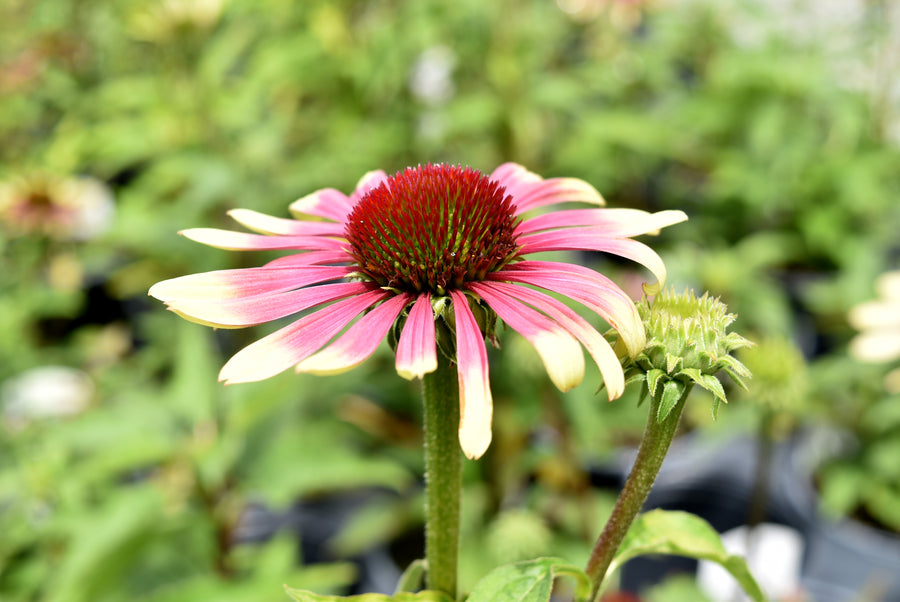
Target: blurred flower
{"type": "Point", "coordinates": [160, 21]}
{"type": "Point", "coordinates": [433, 255]}
{"type": "Point", "coordinates": [62, 208]}
{"type": "Point", "coordinates": [45, 392]}
{"type": "Point", "coordinates": [779, 374]}
{"type": "Point", "coordinates": [879, 322]}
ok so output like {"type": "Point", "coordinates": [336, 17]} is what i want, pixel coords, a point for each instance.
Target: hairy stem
{"type": "Point", "coordinates": [443, 481]}
{"type": "Point", "coordinates": [654, 445]}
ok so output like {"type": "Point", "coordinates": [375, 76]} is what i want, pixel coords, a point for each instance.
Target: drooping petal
{"type": "Point", "coordinates": [327, 203]}
{"type": "Point", "coordinates": [552, 192]}
{"type": "Point", "coordinates": [598, 347]}
{"type": "Point", "coordinates": [366, 183]}
{"type": "Point", "coordinates": [876, 347]}
{"type": "Point", "coordinates": [591, 289]}
{"type": "Point", "coordinates": [244, 282]}
{"type": "Point", "coordinates": [310, 258]}
{"type": "Point", "coordinates": [615, 223]}
{"type": "Point", "coordinates": [241, 241]}
{"type": "Point", "coordinates": [417, 350]}
{"type": "Point", "coordinates": [475, 403]}
{"type": "Point", "coordinates": [592, 239]}
{"type": "Point", "coordinates": [267, 224]}
{"type": "Point", "coordinates": [292, 344]}
{"type": "Point", "coordinates": [559, 351]}
{"type": "Point", "coordinates": [359, 342]}
{"type": "Point", "coordinates": [258, 309]}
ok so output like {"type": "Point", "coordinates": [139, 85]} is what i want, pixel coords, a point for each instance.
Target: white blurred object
{"type": "Point", "coordinates": [774, 558]}
{"type": "Point", "coordinates": [431, 78]}
{"type": "Point", "coordinates": [879, 323]}
{"type": "Point", "coordinates": [45, 392]}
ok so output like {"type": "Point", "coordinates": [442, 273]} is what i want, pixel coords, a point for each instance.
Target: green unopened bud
{"type": "Point", "coordinates": [687, 343]}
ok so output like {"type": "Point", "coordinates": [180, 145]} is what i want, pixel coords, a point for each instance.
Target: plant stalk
{"type": "Point", "coordinates": [443, 476]}
{"type": "Point", "coordinates": [651, 453]}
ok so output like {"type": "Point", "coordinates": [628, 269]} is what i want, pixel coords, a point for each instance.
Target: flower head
{"type": "Point", "coordinates": [57, 207]}
{"type": "Point", "coordinates": [687, 343]}
{"type": "Point", "coordinates": [435, 253]}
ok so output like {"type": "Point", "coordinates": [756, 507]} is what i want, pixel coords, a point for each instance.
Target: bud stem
{"type": "Point", "coordinates": [443, 476]}
{"type": "Point", "coordinates": [654, 445]}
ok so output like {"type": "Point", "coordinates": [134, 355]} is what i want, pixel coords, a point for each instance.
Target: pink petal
{"type": "Point", "coordinates": [615, 223]}
{"type": "Point", "coordinates": [559, 351]}
{"type": "Point", "coordinates": [294, 343]}
{"type": "Point", "coordinates": [266, 224]}
{"type": "Point", "coordinates": [249, 311]}
{"type": "Point", "coordinates": [328, 203]}
{"type": "Point", "coordinates": [475, 402]}
{"type": "Point", "coordinates": [366, 183]}
{"type": "Point", "coordinates": [594, 239]}
{"type": "Point", "coordinates": [512, 175]}
{"type": "Point", "coordinates": [241, 283]}
{"type": "Point", "coordinates": [554, 191]}
{"type": "Point", "coordinates": [416, 350]}
{"type": "Point", "coordinates": [599, 348]}
{"type": "Point", "coordinates": [241, 241]}
{"type": "Point", "coordinates": [589, 288]}
{"type": "Point", "coordinates": [310, 258]}
{"type": "Point", "coordinates": [359, 342]}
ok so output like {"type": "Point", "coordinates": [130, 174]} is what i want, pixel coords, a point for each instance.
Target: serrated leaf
{"type": "Point", "coordinates": [712, 384]}
{"type": "Point", "coordinates": [301, 595]}
{"type": "Point", "coordinates": [671, 394]}
{"type": "Point", "coordinates": [683, 534]}
{"type": "Point", "coordinates": [653, 377]}
{"type": "Point", "coordinates": [528, 581]}
{"type": "Point", "coordinates": [673, 363]}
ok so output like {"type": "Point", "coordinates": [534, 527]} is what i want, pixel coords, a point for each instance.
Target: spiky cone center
{"type": "Point", "coordinates": [432, 228]}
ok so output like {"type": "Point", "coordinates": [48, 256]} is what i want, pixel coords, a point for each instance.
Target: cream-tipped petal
{"type": "Point", "coordinates": [597, 346]}
{"type": "Point", "coordinates": [615, 223]}
{"type": "Point", "coordinates": [417, 349]}
{"type": "Point", "coordinates": [243, 283]}
{"type": "Point", "coordinates": [475, 402]}
{"type": "Point", "coordinates": [590, 288]}
{"type": "Point", "coordinates": [590, 239]}
{"type": "Point", "coordinates": [359, 342]}
{"type": "Point", "coordinates": [284, 348]}
{"type": "Point", "coordinates": [241, 241]}
{"type": "Point", "coordinates": [559, 351]}
{"type": "Point", "coordinates": [267, 224]}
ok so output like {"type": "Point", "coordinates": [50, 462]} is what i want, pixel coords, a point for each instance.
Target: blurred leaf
{"type": "Point", "coordinates": [528, 581]}
{"type": "Point", "coordinates": [682, 534]}
{"type": "Point", "coordinates": [425, 596]}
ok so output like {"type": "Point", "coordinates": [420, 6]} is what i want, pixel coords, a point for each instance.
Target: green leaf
{"type": "Point", "coordinates": [302, 595]}
{"type": "Point", "coordinates": [707, 381]}
{"type": "Point", "coordinates": [670, 396]}
{"type": "Point", "coordinates": [653, 376]}
{"type": "Point", "coordinates": [528, 581]}
{"type": "Point", "coordinates": [683, 534]}
{"type": "Point", "coordinates": [413, 577]}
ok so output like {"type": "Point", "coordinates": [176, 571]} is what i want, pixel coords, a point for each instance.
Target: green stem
{"type": "Point", "coordinates": [443, 477]}
{"type": "Point", "coordinates": [654, 445]}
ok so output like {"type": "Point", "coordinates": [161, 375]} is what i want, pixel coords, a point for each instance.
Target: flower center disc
{"type": "Point", "coordinates": [432, 228]}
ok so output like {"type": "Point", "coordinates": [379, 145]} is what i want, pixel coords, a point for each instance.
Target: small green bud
{"type": "Point", "coordinates": [687, 343]}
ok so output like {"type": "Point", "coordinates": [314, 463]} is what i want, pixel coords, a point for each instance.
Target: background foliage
{"type": "Point", "coordinates": [159, 484]}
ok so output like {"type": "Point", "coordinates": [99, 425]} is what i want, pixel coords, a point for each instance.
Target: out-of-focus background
{"type": "Point", "coordinates": [128, 473]}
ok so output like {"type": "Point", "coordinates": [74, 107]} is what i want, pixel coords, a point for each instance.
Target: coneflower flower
{"type": "Point", "coordinates": [437, 252]}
